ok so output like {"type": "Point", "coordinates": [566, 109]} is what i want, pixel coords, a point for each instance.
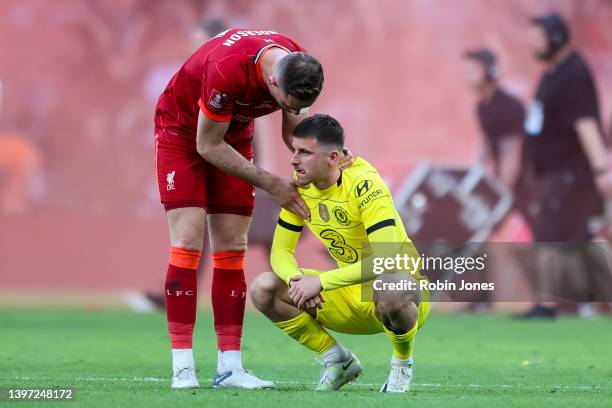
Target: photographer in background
{"type": "Point", "coordinates": [501, 117]}
{"type": "Point", "coordinates": [566, 147]}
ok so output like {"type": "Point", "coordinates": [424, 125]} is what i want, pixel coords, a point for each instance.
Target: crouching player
{"type": "Point", "coordinates": [348, 208]}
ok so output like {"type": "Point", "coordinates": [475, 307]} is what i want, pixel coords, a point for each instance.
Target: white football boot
{"type": "Point", "coordinates": [185, 377]}
{"type": "Point", "coordinates": [337, 374]}
{"type": "Point", "coordinates": [400, 376]}
{"type": "Point", "coordinates": [240, 378]}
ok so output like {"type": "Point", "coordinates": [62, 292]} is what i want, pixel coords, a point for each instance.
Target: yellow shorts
{"type": "Point", "coordinates": [345, 312]}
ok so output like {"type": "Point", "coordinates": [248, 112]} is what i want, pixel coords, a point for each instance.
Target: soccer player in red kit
{"type": "Point", "coordinates": [203, 136]}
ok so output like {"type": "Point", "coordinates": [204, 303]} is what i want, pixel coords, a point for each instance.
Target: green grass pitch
{"type": "Point", "coordinates": [121, 359]}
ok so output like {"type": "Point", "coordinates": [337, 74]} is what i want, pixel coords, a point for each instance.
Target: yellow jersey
{"type": "Point", "coordinates": [354, 212]}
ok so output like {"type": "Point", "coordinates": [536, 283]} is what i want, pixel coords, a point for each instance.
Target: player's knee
{"type": "Point", "coordinates": [397, 305]}
{"type": "Point", "coordinates": [190, 239]}
{"type": "Point", "coordinates": [187, 227]}
{"type": "Point", "coordinates": [228, 232]}
{"type": "Point", "coordinates": [228, 242]}
{"type": "Point", "coordinates": [263, 290]}
{"type": "Point", "coordinates": [398, 315]}
{"type": "Point", "coordinates": [393, 305]}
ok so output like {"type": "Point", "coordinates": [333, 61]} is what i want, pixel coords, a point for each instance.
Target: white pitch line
{"type": "Point", "coordinates": [358, 384]}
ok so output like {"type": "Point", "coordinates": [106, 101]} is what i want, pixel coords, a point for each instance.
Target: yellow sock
{"type": "Point", "coordinates": [402, 343]}
{"type": "Point", "coordinates": [308, 332]}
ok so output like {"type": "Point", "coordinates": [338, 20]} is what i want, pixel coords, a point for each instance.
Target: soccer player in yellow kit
{"type": "Point", "coordinates": [348, 209]}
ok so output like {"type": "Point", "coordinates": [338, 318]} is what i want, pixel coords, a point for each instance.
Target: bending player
{"type": "Point", "coordinates": [204, 124]}
{"type": "Point", "coordinates": [348, 208]}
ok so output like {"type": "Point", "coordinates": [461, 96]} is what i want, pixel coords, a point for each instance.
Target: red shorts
{"type": "Point", "coordinates": [185, 179]}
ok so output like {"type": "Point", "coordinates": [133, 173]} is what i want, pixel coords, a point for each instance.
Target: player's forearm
{"type": "Point", "coordinates": [356, 273]}
{"type": "Point", "coordinates": [225, 157]}
{"type": "Point", "coordinates": [282, 253]}
{"type": "Point", "coordinates": [287, 138]}
{"type": "Point", "coordinates": [290, 121]}
{"type": "Point", "coordinates": [592, 143]}
{"type": "Point", "coordinates": [345, 276]}
{"type": "Point", "coordinates": [283, 263]}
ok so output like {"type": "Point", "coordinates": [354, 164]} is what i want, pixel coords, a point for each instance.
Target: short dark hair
{"type": "Point", "coordinates": [301, 76]}
{"type": "Point", "coordinates": [324, 128]}
{"type": "Point", "coordinates": [557, 31]}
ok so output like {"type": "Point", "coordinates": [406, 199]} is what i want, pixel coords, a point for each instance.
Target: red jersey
{"type": "Point", "coordinates": [222, 78]}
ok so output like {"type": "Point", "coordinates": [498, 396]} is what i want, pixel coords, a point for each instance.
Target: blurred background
{"type": "Point", "coordinates": [80, 218]}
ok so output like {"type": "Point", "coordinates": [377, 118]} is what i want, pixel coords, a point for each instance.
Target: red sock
{"type": "Point", "coordinates": [228, 298]}
{"type": "Point", "coordinates": [181, 296]}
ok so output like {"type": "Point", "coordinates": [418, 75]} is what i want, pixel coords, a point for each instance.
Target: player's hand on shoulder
{"type": "Point", "coordinates": [284, 192]}
{"type": "Point", "coordinates": [347, 160]}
